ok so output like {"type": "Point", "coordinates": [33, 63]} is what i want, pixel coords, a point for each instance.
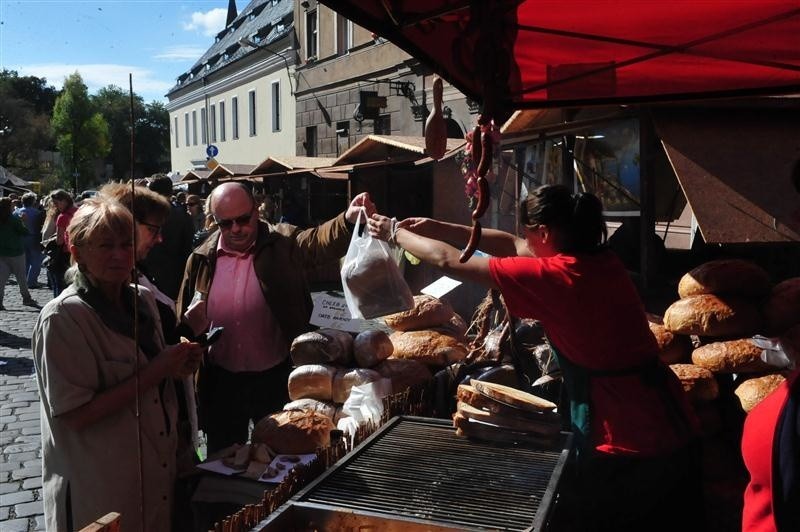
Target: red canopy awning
{"type": "Point", "coordinates": [543, 53]}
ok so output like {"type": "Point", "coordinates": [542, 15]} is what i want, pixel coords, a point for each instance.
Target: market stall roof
{"type": "Point", "coordinates": [277, 163]}
{"type": "Point", "coordinates": [513, 54]}
{"type": "Point", "coordinates": [8, 178]}
{"type": "Point", "coordinates": [195, 175]}
{"type": "Point", "coordinates": [376, 147]}
{"type": "Point", "coordinates": [230, 170]}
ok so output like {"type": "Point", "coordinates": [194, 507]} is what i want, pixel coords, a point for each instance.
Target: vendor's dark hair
{"type": "Point", "coordinates": [578, 218]}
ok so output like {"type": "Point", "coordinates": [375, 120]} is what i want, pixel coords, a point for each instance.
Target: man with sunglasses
{"type": "Point", "coordinates": [252, 275]}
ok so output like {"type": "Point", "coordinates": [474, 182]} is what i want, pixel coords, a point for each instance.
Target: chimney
{"type": "Point", "coordinates": [231, 12]}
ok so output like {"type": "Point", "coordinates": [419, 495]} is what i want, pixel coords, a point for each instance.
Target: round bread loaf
{"type": "Point", "coordinates": [672, 348]}
{"type": "Point", "coordinates": [726, 276]}
{"type": "Point", "coordinates": [294, 431]}
{"type": "Point", "coordinates": [753, 391]}
{"type": "Point", "coordinates": [428, 312]}
{"type": "Point", "coordinates": [314, 381]}
{"type": "Point", "coordinates": [698, 383]}
{"type": "Point", "coordinates": [455, 327]}
{"type": "Point", "coordinates": [322, 407]}
{"type": "Point", "coordinates": [346, 378]}
{"type": "Point", "coordinates": [345, 340]}
{"type": "Point", "coordinates": [710, 315]}
{"type": "Point", "coordinates": [404, 373]}
{"type": "Point", "coordinates": [371, 347]}
{"type": "Point", "coordinates": [429, 347]}
{"type": "Point", "coordinates": [782, 309]}
{"type": "Point", "coordinates": [315, 348]}
{"type": "Point", "coordinates": [733, 356]}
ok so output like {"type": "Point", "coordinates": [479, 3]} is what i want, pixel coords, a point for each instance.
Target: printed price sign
{"type": "Point", "coordinates": [330, 311]}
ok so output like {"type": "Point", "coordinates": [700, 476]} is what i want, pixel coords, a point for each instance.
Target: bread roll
{"type": "Point", "coordinates": [733, 356]}
{"type": "Point", "coordinates": [709, 315]}
{"type": "Point", "coordinates": [698, 383]}
{"type": "Point", "coordinates": [753, 391]}
{"type": "Point", "coordinates": [428, 312]}
{"type": "Point", "coordinates": [294, 431]}
{"type": "Point", "coordinates": [371, 347]}
{"type": "Point", "coordinates": [726, 276]}
{"type": "Point", "coordinates": [672, 348]}
{"type": "Point", "coordinates": [326, 409]}
{"type": "Point", "coordinates": [404, 373]}
{"type": "Point", "coordinates": [345, 340]}
{"type": "Point", "coordinates": [346, 378]}
{"type": "Point", "coordinates": [313, 381]}
{"type": "Point", "coordinates": [429, 347]}
{"type": "Point", "coordinates": [782, 309]}
{"type": "Point", "coordinates": [315, 348]}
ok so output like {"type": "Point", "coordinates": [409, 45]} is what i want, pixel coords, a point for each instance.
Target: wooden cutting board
{"type": "Point", "coordinates": [487, 432]}
{"type": "Point", "coordinates": [467, 394]}
{"type": "Point", "coordinates": [512, 396]}
{"type": "Point", "coordinates": [545, 428]}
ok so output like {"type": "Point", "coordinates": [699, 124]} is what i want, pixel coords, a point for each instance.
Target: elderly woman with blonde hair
{"type": "Point", "coordinates": [105, 379]}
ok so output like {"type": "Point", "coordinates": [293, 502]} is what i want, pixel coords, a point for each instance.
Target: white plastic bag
{"type": "Point", "coordinates": [365, 404]}
{"type": "Point", "coordinates": [372, 283]}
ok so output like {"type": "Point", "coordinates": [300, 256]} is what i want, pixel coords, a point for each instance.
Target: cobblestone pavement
{"type": "Point", "coordinates": [20, 433]}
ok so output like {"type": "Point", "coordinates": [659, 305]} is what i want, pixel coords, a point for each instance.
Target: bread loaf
{"type": "Point", "coordinates": [429, 347]}
{"type": "Point", "coordinates": [726, 276]}
{"type": "Point", "coordinates": [371, 347]}
{"type": "Point", "coordinates": [733, 356]}
{"type": "Point", "coordinates": [346, 378]}
{"type": "Point", "coordinates": [404, 373]}
{"type": "Point", "coordinates": [313, 381]}
{"type": "Point", "coordinates": [782, 309]}
{"type": "Point", "coordinates": [709, 315]}
{"type": "Point", "coordinates": [487, 432]}
{"type": "Point", "coordinates": [544, 426]}
{"type": "Point", "coordinates": [455, 327]}
{"type": "Point", "coordinates": [345, 341]}
{"type": "Point", "coordinates": [374, 288]}
{"type": "Point", "coordinates": [294, 431]}
{"type": "Point", "coordinates": [753, 391]}
{"type": "Point", "coordinates": [428, 312]}
{"type": "Point", "coordinates": [698, 383]}
{"type": "Point", "coordinates": [326, 409]}
{"type": "Point", "coordinates": [512, 396]}
{"type": "Point", "coordinates": [673, 348]}
{"type": "Point", "coordinates": [315, 348]}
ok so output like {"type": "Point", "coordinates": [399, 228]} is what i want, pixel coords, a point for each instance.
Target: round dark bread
{"type": "Point", "coordinates": [698, 383]}
{"type": "Point", "coordinates": [725, 276]}
{"type": "Point", "coordinates": [710, 315]}
{"type": "Point", "coordinates": [782, 309]}
{"type": "Point", "coordinates": [294, 431]}
{"type": "Point", "coordinates": [732, 356]}
{"type": "Point", "coordinates": [371, 347]}
{"type": "Point", "coordinates": [404, 373]}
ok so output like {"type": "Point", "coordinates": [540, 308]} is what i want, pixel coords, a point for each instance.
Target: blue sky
{"type": "Point", "coordinates": [155, 40]}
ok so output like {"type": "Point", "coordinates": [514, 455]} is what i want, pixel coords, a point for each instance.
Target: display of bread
{"type": "Point", "coordinates": [479, 430]}
{"type": "Point", "coordinates": [753, 391]}
{"type": "Point", "coordinates": [346, 378]}
{"type": "Point", "coordinates": [317, 347]}
{"type": "Point", "coordinates": [725, 277]}
{"type": "Point", "coordinates": [698, 383]}
{"type": "Point", "coordinates": [732, 356]}
{"type": "Point", "coordinates": [455, 327]}
{"type": "Point", "coordinates": [429, 347]}
{"type": "Point", "coordinates": [428, 312]}
{"type": "Point", "coordinates": [782, 309]}
{"type": "Point", "coordinates": [325, 408]}
{"type": "Point", "coordinates": [543, 426]}
{"type": "Point", "coordinates": [711, 315]}
{"type": "Point", "coordinates": [314, 381]}
{"type": "Point", "coordinates": [371, 347]}
{"type": "Point", "coordinates": [294, 431]}
{"type": "Point", "coordinates": [673, 348]}
{"type": "Point", "coordinates": [404, 373]}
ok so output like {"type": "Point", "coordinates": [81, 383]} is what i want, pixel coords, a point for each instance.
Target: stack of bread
{"type": "Point", "coordinates": [495, 412]}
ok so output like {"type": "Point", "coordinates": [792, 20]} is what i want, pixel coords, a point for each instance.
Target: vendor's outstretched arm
{"type": "Point", "coordinates": [493, 241]}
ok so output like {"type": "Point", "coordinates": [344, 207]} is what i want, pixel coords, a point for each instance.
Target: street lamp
{"type": "Point", "coordinates": [246, 41]}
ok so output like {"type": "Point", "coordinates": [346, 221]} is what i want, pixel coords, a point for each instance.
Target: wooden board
{"type": "Point", "coordinates": [512, 396]}
{"type": "Point", "coordinates": [487, 432]}
{"type": "Point", "coordinates": [467, 394]}
{"type": "Point", "coordinates": [546, 428]}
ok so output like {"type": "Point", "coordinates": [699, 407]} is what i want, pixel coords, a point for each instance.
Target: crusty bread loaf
{"type": "Point", "coordinates": [428, 312]}
{"type": "Point", "coordinates": [345, 340]}
{"type": "Point", "coordinates": [725, 276]}
{"type": "Point", "coordinates": [313, 381]}
{"type": "Point", "coordinates": [371, 347]}
{"type": "Point", "coordinates": [315, 348]}
{"type": "Point", "coordinates": [710, 315]}
{"type": "Point", "coordinates": [782, 309]}
{"type": "Point", "coordinates": [404, 373]}
{"type": "Point", "coordinates": [429, 347]}
{"type": "Point", "coordinates": [346, 378]}
{"type": "Point", "coordinates": [455, 327]}
{"type": "Point", "coordinates": [294, 431]}
{"type": "Point", "coordinates": [698, 383]}
{"type": "Point", "coordinates": [753, 391]}
{"type": "Point", "coordinates": [732, 356]}
{"type": "Point", "coordinates": [315, 405]}
{"type": "Point", "coordinates": [673, 348]}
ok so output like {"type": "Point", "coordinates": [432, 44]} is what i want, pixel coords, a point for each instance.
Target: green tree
{"type": "Point", "coordinates": [152, 139]}
{"type": "Point", "coordinates": [81, 133]}
{"type": "Point", "coordinates": [115, 105]}
{"type": "Point", "coordinates": [26, 104]}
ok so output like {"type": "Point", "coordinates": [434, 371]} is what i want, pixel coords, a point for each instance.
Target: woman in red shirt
{"type": "Point", "coordinates": [638, 462]}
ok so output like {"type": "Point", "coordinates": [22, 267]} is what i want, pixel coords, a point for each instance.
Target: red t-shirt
{"type": "Point", "coordinates": [62, 222]}
{"type": "Point", "coordinates": [593, 315]}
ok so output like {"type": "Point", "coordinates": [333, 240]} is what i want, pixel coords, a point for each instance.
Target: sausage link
{"type": "Point", "coordinates": [483, 198]}
{"type": "Point", "coordinates": [486, 156]}
{"type": "Point", "coordinates": [472, 245]}
{"type": "Point", "coordinates": [476, 145]}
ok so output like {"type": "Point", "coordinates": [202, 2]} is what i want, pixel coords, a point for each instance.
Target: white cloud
{"type": "Point", "coordinates": [209, 23]}
{"type": "Point", "coordinates": [180, 53]}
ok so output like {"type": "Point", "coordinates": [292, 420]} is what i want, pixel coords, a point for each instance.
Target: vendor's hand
{"type": "Point", "coordinates": [196, 317]}
{"type": "Point", "coordinates": [362, 200]}
{"type": "Point", "coordinates": [380, 227]}
{"type": "Point", "coordinates": [415, 225]}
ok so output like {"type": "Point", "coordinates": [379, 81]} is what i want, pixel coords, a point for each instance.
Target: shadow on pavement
{"type": "Point", "coordinates": [14, 341]}
{"type": "Point", "coordinates": [16, 366]}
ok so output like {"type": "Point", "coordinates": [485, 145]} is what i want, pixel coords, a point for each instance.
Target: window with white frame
{"type": "Point", "coordinates": [213, 118]}
{"type": "Point", "coordinates": [177, 143]}
{"type": "Point", "coordinates": [276, 106]}
{"type": "Point", "coordinates": [235, 117]}
{"type": "Point", "coordinates": [251, 106]}
{"type": "Point", "coordinates": [311, 34]}
{"type": "Point", "coordinates": [344, 35]}
{"type": "Point", "coordinates": [222, 121]}
{"type": "Point", "coordinates": [186, 127]}
{"type": "Point", "coordinates": [194, 127]}
{"type": "Point", "coordinates": [203, 126]}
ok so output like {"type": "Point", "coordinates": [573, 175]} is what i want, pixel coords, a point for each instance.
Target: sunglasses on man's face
{"type": "Point", "coordinates": [227, 223]}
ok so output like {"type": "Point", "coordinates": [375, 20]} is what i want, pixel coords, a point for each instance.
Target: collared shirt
{"type": "Point", "coordinates": [252, 340]}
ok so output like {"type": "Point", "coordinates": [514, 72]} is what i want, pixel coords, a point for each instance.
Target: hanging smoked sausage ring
{"type": "Point", "coordinates": [482, 150]}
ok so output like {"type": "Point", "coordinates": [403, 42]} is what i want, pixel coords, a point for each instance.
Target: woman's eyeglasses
{"type": "Point", "coordinates": [155, 230]}
{"type": "Point", "coordinates": [228, 223]}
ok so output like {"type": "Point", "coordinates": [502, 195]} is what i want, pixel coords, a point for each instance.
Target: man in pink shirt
{"type": "Point", "coordinates": [252, 274]}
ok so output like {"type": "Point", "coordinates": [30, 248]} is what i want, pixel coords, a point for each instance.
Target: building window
{"type": "Point", "coordinates": [311, 34]}
{"type": "Point", "coordinates": [311, 141]}
{"type": "Point", "coordinates": [343, 35]}
{"type": "Point", "coordinates": [251, 102]}
{"type": "Point", "coordinates": [186, 127]}
{"type": "Point", "coordinates": [383, 125]}
{"type": "Point", "coordinates": [213, 123]}
{"type": "Point", "coordinates": [177, 144]}
{"type": "Point", "coordinates": [235, 117]}
{"type": "Point", "coordinates": [194, 128]}
{"type": "Point", "coordinates": [203, 126]}
{"type": "Point", "coordinates": [222, 121]}
{"type": "Point", "coordinates": [276, 106]}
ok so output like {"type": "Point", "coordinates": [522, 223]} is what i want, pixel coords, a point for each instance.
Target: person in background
{"type": "Point", "coordinates": [638, 456]}
{"type": "Point", "coordinates": [59, 262]}
{"type": "Point", "coordinates": [252, 276]}
{"type": "Point", "coordinates": [194, 206]}
{"type": "Point", "coordinates": [267, 209]}
{"type": "Point", "coordinates": [12, 253]}
{"type": "Point", "coordinates": [92, 355]}
{"type": "Point", "coordinates": [33, 218]}
{"type": "Point", "coordinates": [180, 199]}
{"type": "Point", "coordinates": [167, 258]}
{"type": "Point", "coordinates": [48, 232]}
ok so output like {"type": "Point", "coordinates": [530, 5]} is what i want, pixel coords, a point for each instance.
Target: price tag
{"type": "Point", "coordinates": [330, 311]}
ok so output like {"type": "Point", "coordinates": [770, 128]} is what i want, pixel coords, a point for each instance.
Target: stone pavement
{"type": "Point", "coordinates": [20, 433]}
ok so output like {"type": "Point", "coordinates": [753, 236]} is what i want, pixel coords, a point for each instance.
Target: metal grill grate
{"type": "Point", "coordinates": [418, 468]}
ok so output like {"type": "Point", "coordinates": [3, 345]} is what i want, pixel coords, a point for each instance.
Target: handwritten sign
{"type": "Point", "coordinates": [330, 311]}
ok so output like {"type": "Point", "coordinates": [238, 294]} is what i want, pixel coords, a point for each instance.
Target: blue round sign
{"type": "Point", "coordinates": [212, 150]}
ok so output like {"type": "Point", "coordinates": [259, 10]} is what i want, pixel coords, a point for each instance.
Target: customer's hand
{"type": "Point", "coordinates": [361, 201]}
{"type": "Point", "coordinates": [380, 226]}
{"type": "Point", "coordinates": [415, 225]}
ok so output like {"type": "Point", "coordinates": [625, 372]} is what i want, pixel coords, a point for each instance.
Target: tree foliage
{"type": "Point", "coordinates": [26, 104]}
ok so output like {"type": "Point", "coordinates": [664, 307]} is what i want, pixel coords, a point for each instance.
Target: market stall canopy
{"type": "Point", "coordinates": [230, 170]}
{"type": "Point", "coordinates": [390, 148]}
{"type": "Point", "coordinates": [283, 163]}
{"type": "Point", "coordinates": [736, 169]}
{"type": "Point", "coordinates": [513, 54]}
{"type": "Point", "coordinates": [9, 179]}
{"type": "Point", "coordinates": [195, 175]}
